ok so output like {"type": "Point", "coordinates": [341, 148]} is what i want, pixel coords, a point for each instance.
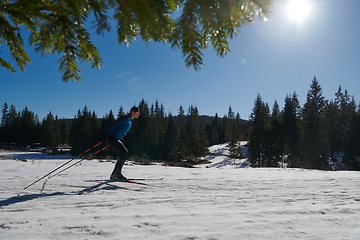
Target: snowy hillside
{"type": "Point", "coordinates": [221, 200]}
{"type": "Point", "coordinates": [219, 157]}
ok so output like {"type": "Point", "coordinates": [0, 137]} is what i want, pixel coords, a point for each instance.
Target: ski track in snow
{"type": "Point", "coordinates": [213, 202]}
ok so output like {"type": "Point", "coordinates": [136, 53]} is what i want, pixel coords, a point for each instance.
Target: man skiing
{"type": "Point", "coordinates": [114, 134]}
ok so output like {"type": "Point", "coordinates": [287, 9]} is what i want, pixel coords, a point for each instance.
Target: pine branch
{"type": "Point", "coordinates": [68, 64]}
{"type": "Point", "coordinates": [190, 44]}
{"type": "Point", "coordinates": [217, 32]}
{"type": "Point", "coordinates": [126, 23]}
{"type": "Point", "coordinates": [99, 8]}
{"type": "Point", "coordinates": [158, 16]}
{"type": "Point", "coordinates": [6, 65]}
{"type": "Point", "coordinates": [231, 19]}
{"type": "Point", "coordinates": [57, 27]}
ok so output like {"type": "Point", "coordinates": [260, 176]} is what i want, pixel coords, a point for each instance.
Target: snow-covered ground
{"type": "Point", "coordinates": [222, 200]}
{"type": "Point", "coordinates": [219, 157]}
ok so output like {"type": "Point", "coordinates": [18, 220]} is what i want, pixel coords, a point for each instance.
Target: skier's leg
{"type": "Point", "coordinates": [120, 163]}
{"type": "Point", "coordinates": [122, 153]}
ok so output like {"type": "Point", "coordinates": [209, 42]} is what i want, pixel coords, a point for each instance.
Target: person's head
{"type": "Point", "coordinates": [134, 112]}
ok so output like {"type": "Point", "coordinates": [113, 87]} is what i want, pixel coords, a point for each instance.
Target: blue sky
{"type": "Point", "coordinates": [272, 58]}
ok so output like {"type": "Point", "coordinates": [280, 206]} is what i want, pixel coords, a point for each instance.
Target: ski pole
{"type": "Point", "coordinates": [76, 163]}
{"type": "Point", "coordinates": [62, 165]}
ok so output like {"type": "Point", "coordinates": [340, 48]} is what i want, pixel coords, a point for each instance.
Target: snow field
{"type": "Point", "coordinates": [194, 203]}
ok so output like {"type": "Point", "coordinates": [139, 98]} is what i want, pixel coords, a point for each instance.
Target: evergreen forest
{"type": "Point", "coordinates": [155, 135]}
{"type": "Point", "coordinates": [309, 136]}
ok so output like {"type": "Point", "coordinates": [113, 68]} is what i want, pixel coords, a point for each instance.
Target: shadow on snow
{"type": "Point", "coordinates": [27, 197]}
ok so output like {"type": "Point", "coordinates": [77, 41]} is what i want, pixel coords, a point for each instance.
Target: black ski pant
{"type": "Point", "coordinates": [119, 149]}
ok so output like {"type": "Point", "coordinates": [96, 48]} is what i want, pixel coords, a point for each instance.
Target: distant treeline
{"type": "Point", "coordinates": [310, 136]}
{"type": "Point", "coordinates": [155, 135]}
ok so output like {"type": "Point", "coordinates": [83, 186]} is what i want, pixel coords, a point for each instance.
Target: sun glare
{"type": "Point", "coordinates": [298, 10]}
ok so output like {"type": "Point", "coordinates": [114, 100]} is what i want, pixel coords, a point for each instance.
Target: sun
{"type": "Point", "coordinates": [298, 10]}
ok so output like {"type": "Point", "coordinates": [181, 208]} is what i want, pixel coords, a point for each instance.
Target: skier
{"type": "Point", "coordinates": [113, 136]}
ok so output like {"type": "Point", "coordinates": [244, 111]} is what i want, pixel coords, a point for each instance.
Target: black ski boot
{"type": "Point", "coordinates": [118, 177]}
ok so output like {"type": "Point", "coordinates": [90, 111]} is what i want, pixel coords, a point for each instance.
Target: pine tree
{"type": "Point", "coordinates": [314, 145]}
{"type": "Point", "coordinates": [49, 133]}
{"type": "Point", "coordinates": [336, 118]}
{"type": "Point", "coordinates": [215, 131]}
{"type": "Point", "coordinates": [196, 134]}
{"type": "Point", "coordinates": [351, 158]}
{"type": "Point", "coordinates": [137, 139]}
{"type": "Point", "coordinates": [121, 112]}
{"type": "Point", "coordinates": [85, 131]}
{"type": "Point", "coordinates": [14, 124]}
{"type": "Point", "coordinates": [239, 128]}
{"type": "Point", "coordinates": [27, 127]}
{"type": "Point", "coordinates": [258, 121]}
{"type": "Point", "coordinates": [183, 134]}
{"type": "Point", "coordinates": [157, 126]}
{"type": "Point", "coordinates": [229, 125]}
{"type": "Point", "coordinates": [172, 140]}
{"type": "Point", "coordinates": [331, 121]}
{"type": "Point", "coordinates": [58, 131]}
{"type": "Point", "coordinates": [204, 141]}
{"type": "Point", "coordinates": [37, 136]}
{"type": "Point", "coordinates": [64, 131]}
{"type": "Point", "coordinates": [274, 138]}
{"type": "Point", "coordinates": [193, 134]}
{"type": "Point", "coordinates": [5, 124]}
{"type": "Point", "coordinates": [4, 115]}
{"type": "Point", "coordinates": [107, 120]}
{"type": "Point", "coordinates": [291, 130]}
{"type": "Point", "coordinates": [235, 150]}
{"type": "Point", "coordinates": [140, 129]}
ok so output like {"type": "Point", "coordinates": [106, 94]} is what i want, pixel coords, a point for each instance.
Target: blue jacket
{"type": "Point", "coordinates": [120, 127]}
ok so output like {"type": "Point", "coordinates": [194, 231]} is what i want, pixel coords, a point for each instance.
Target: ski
{"type": "Point", "coordinates": [129, 181]}
{"type": "Point", "coordinates": [145, 179]}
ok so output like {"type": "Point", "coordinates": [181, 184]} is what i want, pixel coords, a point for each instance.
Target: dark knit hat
{"type": "Point", "coordinates": [134, 109]}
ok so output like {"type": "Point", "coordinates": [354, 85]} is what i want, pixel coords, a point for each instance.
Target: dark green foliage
{"type": "Point", "coordinates": [5, 124]}
{"type": "Point", "coordinates": [54, 131]}
{"type": "Point", "coordinates": [172, 140]}
{"type": "Point", "coordinates": [347, 121]}
{"type": "Point", "coordinates": [274, 138]}
{"type": "Point", "coordinates": [107, 120]}
{"type": "Point", "coordinates": [214, 131]}
{"type": "Point", "coordinates": [183, 135]}
{"type": "Point", "coordinates": [308, 137]}
{"type": "Point", "coordinates": [156, 131]}
{"type": "Point", "coordinates": [258, 124]}
{"type": "Point", "coordinates": [234, 131]}
{"type": "Point", "coordinates": [291, 130]}
{"type": "Point", "coordinates": [153, 136]}
{"type": "Point", "coordinates": [59, 26]}
{"type": "Point", "coordinates": [64, 131]}
{"type": "Point", "coordinates": [314, 146]}
{"type": "Point", "coordinates": [121, 112]}
{"type": "Point", "coordinates": [51, 136]}
{"type": "Point", "coordinates": [235, 150]}
{"type": "Point", "coordinates": [85, 131]}
{"type": "Point", "coordinates": [138, 137]}
{"type": "Point", "coordinates": [196, 135]}
{"type": "Point", "coordinates": [18, 127]}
